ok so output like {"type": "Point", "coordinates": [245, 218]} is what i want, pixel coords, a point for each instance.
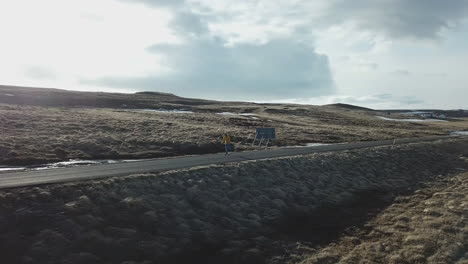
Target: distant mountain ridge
{"type": "Point", "coordinates": [349, 106]}
{"type": "Point", "coordinates": [51, 97]}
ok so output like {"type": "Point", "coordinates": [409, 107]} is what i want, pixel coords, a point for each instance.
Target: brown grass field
{"type": "Point", "coordinates": [47, 125]}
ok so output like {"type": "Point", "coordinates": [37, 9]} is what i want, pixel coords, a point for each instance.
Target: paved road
{"type": "Point", "coordinates": [31, 178]}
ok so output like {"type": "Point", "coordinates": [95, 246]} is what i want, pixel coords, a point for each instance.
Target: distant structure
{"type": "Point", "coordinates": [427, 114]}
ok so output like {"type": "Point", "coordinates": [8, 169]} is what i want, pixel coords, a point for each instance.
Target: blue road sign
{"type": "Point", "coordinates": [266, 133]}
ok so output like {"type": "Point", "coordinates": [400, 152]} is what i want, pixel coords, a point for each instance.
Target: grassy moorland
{"type": "Point", "coordinates": [428, 226]}
{"type": "Point", "coordinates": [46, 125]}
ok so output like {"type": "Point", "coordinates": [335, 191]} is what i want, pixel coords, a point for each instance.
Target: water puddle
{"type": "Point", "coordinates": [62, 164]}
{"type": "Point", "coordinates": [459, 133]}
{"type": "Point", "coordinates": [250, 115]}
{"type": "Point", "coordinates": [11, 169]}
{"type": "Point", "coordinates": [308, 145]}
{"type": "Point", "coordinates": [238, 114]}
{"type": "Point", "coordinates": [72, 163]}
{"type": "Point", "coordinates": [315, 144]}
{"type": "Point", "coordinates": [411, 119]}
{"type": "Point", "coordinates": [172, 111]}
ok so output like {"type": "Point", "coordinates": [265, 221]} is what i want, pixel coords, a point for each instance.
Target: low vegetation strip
{"type": "Point", "coordinates": [429, 226]}
{"type": "Point", "coordinates": [233, 213]}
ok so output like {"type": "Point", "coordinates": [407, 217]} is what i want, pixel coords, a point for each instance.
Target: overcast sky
{"type": "Point", "coordinates": [374, 53]}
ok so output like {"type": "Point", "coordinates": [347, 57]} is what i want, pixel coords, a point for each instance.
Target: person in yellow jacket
{"type": "Point", "coordinates": [227, 143]}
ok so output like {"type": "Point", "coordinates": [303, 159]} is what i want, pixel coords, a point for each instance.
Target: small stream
{"type": "Point", "coordinates": [459, 133]}
{"type": "Point", "coordinates": [62, 164]}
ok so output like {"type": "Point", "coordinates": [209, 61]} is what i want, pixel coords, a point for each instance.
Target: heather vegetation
{"type": "Point", "coordinates": [269, 211]}
{"type": "Point", "coordinates": [428, 226]}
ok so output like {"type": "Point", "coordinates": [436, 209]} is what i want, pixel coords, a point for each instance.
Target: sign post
{"type": "Point", "coordinates": [264, 133]}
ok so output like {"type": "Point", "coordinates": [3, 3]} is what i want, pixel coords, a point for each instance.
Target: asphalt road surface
{"type": "Point", "coordinates": [38, 177]}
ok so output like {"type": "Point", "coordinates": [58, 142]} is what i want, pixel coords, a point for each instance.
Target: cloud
{"type": "Point", "coordinates": [396, 19]}
{"type": "Point", "coordinates": [205, 65]}
{"type": "Point", "coordinates": [39, 73]}
{"type": "Point", "coordinates": [419, 19]}
{"type": "Point", "coordinates": [366, 66]}
{"type": "Point", "coordinates": [208, 68]}
{"type": "Point", "coordinates": [376, 101]}
{"type": "Point", "coordinates": [401, 73]}
{"type": "Point", "coordinates": [437, 75]}
{"type": "Point", "coordinates": [260, 49]}
{"type": "Point", "coordinates": [263, 49]}
{"type": "Point", "coordinates": [158, 3]}
{"type": "Point", "coordinates": [189, 23]}
{"type": "Point", "coordinates": [54, 43]}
